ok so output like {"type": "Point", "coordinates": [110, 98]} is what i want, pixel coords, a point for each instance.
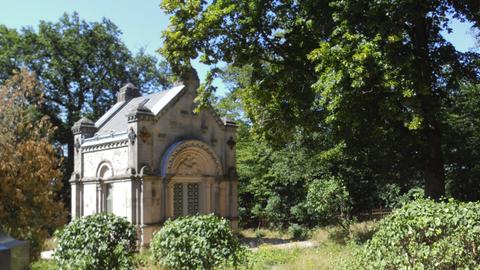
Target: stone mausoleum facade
{"type": "Point", "coordinates": [151, 158]}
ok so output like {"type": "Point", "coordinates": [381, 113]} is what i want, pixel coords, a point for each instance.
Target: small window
{"type": "Point", "coordinates": [109, 198]}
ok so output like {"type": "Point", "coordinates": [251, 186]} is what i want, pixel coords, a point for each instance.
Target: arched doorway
{"type": "Point", "coordinates": [191, 169]}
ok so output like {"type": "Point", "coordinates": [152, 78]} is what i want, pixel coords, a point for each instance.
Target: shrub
{"type": "Point", "coordinates": [197, 242]}
{"type": "Point", "coordinates": [298, 231]}
{"type": "Point", "coordinates": [329, 201]}
{"type": "Point", "coordinates": [425, 234]}
{"type": "Point", "coordinates": [99, 241]}
{"type": "Point", "coordinates": [392, 198]}
{"type": "Point", "coordinates": [259, 233]}
{"type": "Point", "coordinates": [275, 211]}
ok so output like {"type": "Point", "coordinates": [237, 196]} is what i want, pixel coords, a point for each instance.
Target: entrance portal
{"type": "Point", "coordinates": [191, 168]}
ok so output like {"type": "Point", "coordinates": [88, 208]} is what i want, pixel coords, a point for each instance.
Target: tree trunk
{"type": "Point", "coordinates": [434, 169]}
{"type": "Point", "coordinates": [69, 161]}
{"type": "Point", "coordinates": [434, 172]}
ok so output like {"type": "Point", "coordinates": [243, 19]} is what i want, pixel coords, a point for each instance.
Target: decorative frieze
{"type": "Point", "coordinates": [103, 146]}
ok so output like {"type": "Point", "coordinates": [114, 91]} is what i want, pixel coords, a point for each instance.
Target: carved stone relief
{"type": "Point", "coordinates": [201, 148]}
{"type": "Point", "coordinates": [189, 166]}
{"type": "Point", "coordinates": [144, 135]}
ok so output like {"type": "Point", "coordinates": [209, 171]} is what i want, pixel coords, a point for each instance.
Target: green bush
{"type": "Point", "coordinates": [197, 242]}
{"type": "Point", "coordinates": [392, 198]}
{"type": "Point", "coordinates": [425, 234]}
{"type": "Point", "coordinates": [298, 231]}
{"type": "Point", "coordinates": [100, 241]}
{"type": "Point", "coordinates": [328, 201]}
{"type": "Point", "coordinates": [259, 233]}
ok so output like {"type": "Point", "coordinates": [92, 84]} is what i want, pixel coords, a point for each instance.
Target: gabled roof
{"type": "Point", "coordinates": [115, 120]}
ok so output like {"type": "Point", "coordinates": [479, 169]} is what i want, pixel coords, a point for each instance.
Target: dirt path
{"type": "Point", "coordinates": [276, 242]}
{"type": "Point", "coordinates": [299, 244]}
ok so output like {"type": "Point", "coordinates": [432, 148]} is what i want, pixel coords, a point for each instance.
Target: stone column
{"type": "Point", "coordinates": [81, 130]}
{"type": "Point", "coordinates": [231, 173]}
{"type": "Point", "coordinates": [76, 195]}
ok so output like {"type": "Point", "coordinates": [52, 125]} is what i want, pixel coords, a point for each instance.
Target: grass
{"type": "Point", "coordinates": [333, 247]}
{"type": "Point", "coordinates": [44, 265]}
{"type": "Point", "coordinates": [327, 256]}
{"type": "Point", "coordinates": [264, 233]}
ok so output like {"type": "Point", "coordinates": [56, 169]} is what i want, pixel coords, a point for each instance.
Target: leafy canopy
{"type": "Point", "coordinates": [373, 74]}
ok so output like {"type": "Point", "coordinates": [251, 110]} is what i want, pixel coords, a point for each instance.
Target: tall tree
{"type": "Point", "coordinates": [29, 165]}
{"type": "Point", "coordinates": [81, 65]}
{"type": "Point", "coordinates": [393, 55]}
{"type": "Point", "coordinates": [372, 73]}
{"type": "Point", "coordinates": [462, 141]}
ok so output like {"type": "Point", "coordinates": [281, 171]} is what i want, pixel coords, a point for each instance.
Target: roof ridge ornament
{"type": "Point", "coordinates": [189, 78]}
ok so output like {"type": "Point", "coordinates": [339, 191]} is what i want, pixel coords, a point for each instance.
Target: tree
{"type": "Point", "coordinates": [374, 74]}
{"type": "Point", "coordinates": [274, 182]}
{"type": "Point", "coordinates": [462, 141]}
{"type": "Point", "coordinates": [394, 55]}
{"type": "Point", "coordinates": [29, 165]}
{"type": "Point", "coordinates": [11, 43]}
{"type": "Point", "coordinates": [81, 65]}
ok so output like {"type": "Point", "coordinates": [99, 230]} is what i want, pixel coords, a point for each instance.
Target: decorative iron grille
{"type": "Point", "coordinates": [178, 200]}
{"type": "Point", "coordinates": [192, 199]}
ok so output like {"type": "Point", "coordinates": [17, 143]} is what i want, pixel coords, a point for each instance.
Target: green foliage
{"type": "Point", "coordinates": [328, 200]}
{"type": "Point", "coordinates": [462, 136]}
{"type": "Point", "coordinates": [298, 232]}
{"type": "Point", "coordinates": [274, 182]}
{"type": "Point", "coordinates": [197, 242]}
{"type": "Point", "coordinates": [259, 233]}
{"type": "Point", "coordinates": [99, 241]}
{"type": "Point", "coordinates": [369, 92]}
{"type": "Point", "coordinates": [392, 197]}
{"type": "Point", "coordinates": [44, 265]}
{"type": "Point", "coordinates": [371, 76]}
{"type": "Point", "coordinates": [425, 234]}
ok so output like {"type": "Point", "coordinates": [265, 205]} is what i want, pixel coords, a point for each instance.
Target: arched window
{"type": "Point", "coordinates": [105, 172]}
{"type": "Point", "coordinates": [109, 198]}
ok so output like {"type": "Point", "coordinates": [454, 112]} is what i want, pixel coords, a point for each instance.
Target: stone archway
{"type": "Point", "coordinates": [104, 170]}
{"type": "Point", "coordinates": [191, 169]}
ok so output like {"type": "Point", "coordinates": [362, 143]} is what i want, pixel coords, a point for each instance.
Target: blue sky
{"type": "Point", "coordinates": [141, 21]}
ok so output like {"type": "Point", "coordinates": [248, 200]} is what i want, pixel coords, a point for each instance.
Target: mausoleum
{"type": "Point", "coordinates": [151, 158]}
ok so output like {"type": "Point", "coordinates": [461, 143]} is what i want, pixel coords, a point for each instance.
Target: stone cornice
{"type": "Point", "coordinates": [140, 116]}
{"type": "Point", "coordinates": [105, 145]}
{"type": "Point", "coordinates": [115, 178]}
